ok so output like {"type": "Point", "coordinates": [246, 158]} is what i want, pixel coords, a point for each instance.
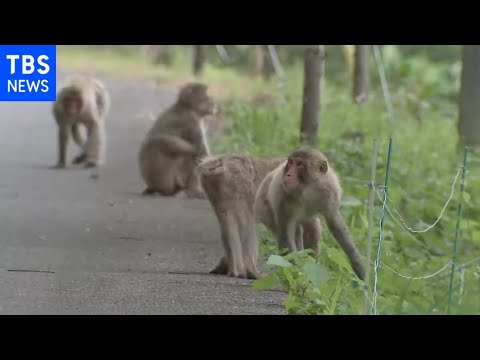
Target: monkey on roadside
{"type": "Point", "coordinates": [230, 182]}
{"type": "Point", "coordinates": [172, 148]}
{"type": "Point", "coordinates": [292, 196]}
{"type": "Point", "coordinates": [82, 101]}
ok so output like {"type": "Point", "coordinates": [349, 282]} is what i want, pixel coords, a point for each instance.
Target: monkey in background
{"type": "Point", "coordinates": [82, 101]}
{"type": "Point", "coordinates": [170, 152]}
{"type": "Point", "coordinates": [291, 197]}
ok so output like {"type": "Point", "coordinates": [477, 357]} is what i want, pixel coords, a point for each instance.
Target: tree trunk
{"type": "Point", "coordinates": [162, 54]}
{"type": "Point", "coordinates": [361, 74]}
{"type": "Point", "coordinates": [469, 103]}
{"type": "Point", "coordinates": [314, 58]}
{"type": "Point", "coordinates": [268, 69]}
{"type": "Point", "coordinates": [198, 59]}
{"type": "Point", "coordinates": [262, 65]}
{"type": "Point", "coordinates": [259, 61]}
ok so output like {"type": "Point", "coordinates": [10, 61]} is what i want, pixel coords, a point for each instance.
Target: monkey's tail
{"type": "Point", "coordinates": [170, 145]}
{"type": "Point", "coordinates": [339, 230]}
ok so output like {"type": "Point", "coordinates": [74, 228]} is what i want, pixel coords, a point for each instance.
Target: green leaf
{"type": "Point", "coordinates": [466, 197]}
{"type": "Point", "coordinates": [266, 283]}
{"type": "Point", "coordinates": [286, 273]}
{"type": "Point", "coordinates": [335, 297]}
{"type": "Point", "coordinates": [351, 201]}
{"type": "Point", "coordinates": [316, 273]}
{"type": "Point", "coordinates": [363, 218]}
{"type": "Point", "coordinates": [292, 304]}
{"type": "Point", "coordinates": [476, 236]}
{"type": "Point", "coordinates": [277, 260]}
{"type": "Point", "coordinates": [338, 258]}
{"type": "Point", "coordinates": [413, 253]}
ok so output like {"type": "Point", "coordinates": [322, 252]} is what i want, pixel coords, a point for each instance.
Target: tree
{"type": "Point", "coordinates": [262, 64]}
{"type": "Point", "coordinates": [314, 58]}
{"type": "Point", "coordinates": [198, 59]}
{"type": "Point", "coordinates": [469, 103]}
{"type": "Point", "coordinates": [361, 74]}
{"type": "Point", "coordinates": [258, 61]}
{"type": "Point", "coordinates": [162, 54]}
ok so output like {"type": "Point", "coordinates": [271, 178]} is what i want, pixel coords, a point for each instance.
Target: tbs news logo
{"type": "Point", "coordinates": [28, 72]}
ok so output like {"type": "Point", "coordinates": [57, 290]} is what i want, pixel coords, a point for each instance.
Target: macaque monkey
{"type": "Point", "coordinates": [82, 100]}
{"type": "Point", "coordinates": [230, 182]}
{"type": "Point", "coordinates": [291, 197]}
{"type": "Point", "coordinates": [177, 141]}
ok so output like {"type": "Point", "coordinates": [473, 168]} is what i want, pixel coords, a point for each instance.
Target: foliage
{"type": "Point", "coordinates": [424, 83]}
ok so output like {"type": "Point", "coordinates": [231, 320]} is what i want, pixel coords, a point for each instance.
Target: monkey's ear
{"type": "Point", "coordinates": [323, 166]}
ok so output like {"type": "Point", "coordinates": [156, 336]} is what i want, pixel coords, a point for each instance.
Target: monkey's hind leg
{"type": "Point", "coordinates": [176, 186]}
{"type": "Point", "coordinates": [231, 241]}
{"type": "Point", "coordinates": [249, 243]}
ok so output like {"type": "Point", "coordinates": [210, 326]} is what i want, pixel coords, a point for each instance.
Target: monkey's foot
{"type": "Point", "coordinates": [221, 268]}
{"type": "Point", "coordinates": [90, 164]}
{"type": "Point", "coordinates": [79, 159]}
{"type": "Point", "coordinates": [219, 271]}
{"type": "Point", "coordinates": [58, 166]}
{"type": "Point", "coordinates": [148, 192]}
{"type": "Point", "coordinates": [240, 275]}
{"type": "Point", "coordinates": [253, 274]}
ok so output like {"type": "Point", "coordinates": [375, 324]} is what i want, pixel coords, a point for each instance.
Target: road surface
{"type": "Point", "coordinates": [79, 241]}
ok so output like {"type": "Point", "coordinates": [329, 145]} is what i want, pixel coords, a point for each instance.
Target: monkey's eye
{"type": "Point", "coordinates": [299, 163]}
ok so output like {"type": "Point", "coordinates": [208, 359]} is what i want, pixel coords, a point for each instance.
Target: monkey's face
{"type": "Point", "coordinates": [207, 107]}
{"type": "Point", "coordinates": [71, 105]}
{"type": "Point", "coordinates": [293, 173]}
{"type": "Point", "coordinates": [302, 169]}
{"type": "Point", "coordinates": [195, 97]}
{"type": "Point", "coordinates": [204, 105]}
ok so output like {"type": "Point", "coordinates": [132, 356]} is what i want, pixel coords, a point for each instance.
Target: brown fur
{"type": "Point", "coordinates": [230, 182]}
{"type": "Point", "coordinates": [292, 196]}
{"type": "Point", "coordinates": [172, 147]}
{"type": "Point", "coordinates": [82, 101]}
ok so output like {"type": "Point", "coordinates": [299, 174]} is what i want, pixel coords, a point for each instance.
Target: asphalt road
{"type": "Point", "coordinates": [79, 241]}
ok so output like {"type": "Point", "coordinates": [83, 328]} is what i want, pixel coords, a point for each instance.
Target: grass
{"type": "Point", "coordinates": [425, 159]}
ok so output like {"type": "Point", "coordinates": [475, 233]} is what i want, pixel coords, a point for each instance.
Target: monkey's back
{"type": "Point", "coordinates": [173, 122]}
{"type": "Point", "coordinates": [243, 173]}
